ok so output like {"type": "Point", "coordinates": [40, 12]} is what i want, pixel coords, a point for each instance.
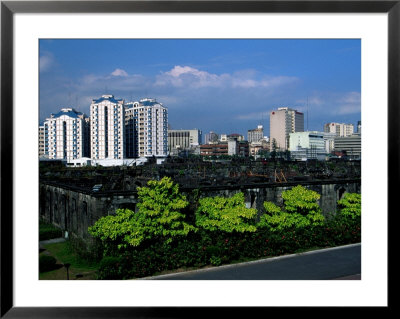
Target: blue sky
{"type": "Point", "coordinates": [225, 86]}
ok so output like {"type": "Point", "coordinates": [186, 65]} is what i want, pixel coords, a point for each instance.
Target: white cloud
{"type": "Point", "coordinates": [350, 103]}
{"type": "Point", "coordinates": [186, 76]}
{"type": "Point", "coordinates": [46, 61]}
{"type": "Point", "coordinates": [119, 72]}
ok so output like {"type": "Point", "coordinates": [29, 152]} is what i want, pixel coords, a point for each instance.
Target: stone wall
{"type": "Point", "coordinates": [74, 210]}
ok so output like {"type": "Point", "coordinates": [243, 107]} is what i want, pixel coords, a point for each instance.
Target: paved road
{"type": "Point", "coordinates": [342, 263]}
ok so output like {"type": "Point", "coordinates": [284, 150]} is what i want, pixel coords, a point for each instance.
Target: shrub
{"type": "Point", "coordinates": [159, 216]}
{"type": "Point", "coordinates": [301, 210]}
{"type": "Point", "coordinates": [225, 214]}
{"type": "Point", "coordinates": [48, 231]}
{"type": "Point", "coordinates": [350, 206]}
{"type": "Point", "coordinates": [47, 263]}
{"type": "Point", "coordinates": [110, 268]}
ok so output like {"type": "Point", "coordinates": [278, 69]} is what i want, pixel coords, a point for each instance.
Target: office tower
{"type": "Point", "coordinates": [283, 122]}
{"type": "Point", "coordinates": [107, 127]}
{"type": "Point", "coordinates": [183, 139]}
{"type": "Point", "coordinates": [341, 129]}
{"type": "Point", "coordinates": [66, 135]}
{"type": "Point", "coordinates": [151, 128]}
{"type": "Point", "coordinates": [255, 135]}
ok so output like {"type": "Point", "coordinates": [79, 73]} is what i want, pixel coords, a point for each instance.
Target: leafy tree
{"type": "Point", "coordinates": [159, 216]}
{"type": "Point", "coordinates": [225, 214]}
{"type": "Point", "coordinates": [350, 205]}
{"type": "Point", "coordinates": [301, 210]}
{"type": "Point", "coordinates": [301, 200]}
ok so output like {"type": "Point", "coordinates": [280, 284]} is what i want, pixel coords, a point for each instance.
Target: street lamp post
{"type": "Point", "coordinates": [66, 265]}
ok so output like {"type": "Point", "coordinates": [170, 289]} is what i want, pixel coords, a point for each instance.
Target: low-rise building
{"type": "Point", "coordinates": [307, 145]}
{"type": "Point", "coordinates": [183, 140]}
{"type": "Point", "coordinates": [349, 145]}
{"type": "Point", "coordinates": [214, 149]}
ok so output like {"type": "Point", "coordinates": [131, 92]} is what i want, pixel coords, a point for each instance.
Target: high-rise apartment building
{"type": "Point", "coordinates": [107, 128]}
{"type": "Point", "coordinates": [283, 122]}
{"type": "Point", "coordinates": [255, 135]}
{"type": "Point", "coordinates": [130, 131]}
{"type": "Point", "coordinates": [341, 129]}
{"type": "Point", "coordinates": [41, 141]}
{"type": "Point", "coordinates": [150, 122]}
{"type": "Point", "coordinates": [66, 135]}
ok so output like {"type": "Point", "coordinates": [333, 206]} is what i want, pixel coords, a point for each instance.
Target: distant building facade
{"type": "Point", "coordinates": [183, 140]}
{"type": "Point", "coordinates": [329, 139]}
{"type": "Point", "coordinates": [359, 127]}
{"type": "Point", "coordinates": [235, 136]}
{"type": "Point", "coordinates": [255, 135]}
{"type": "Point", "coordinates": [307, 145]}
{"type": "Point", "coordinates": [215, 149]}
{"type": "Point", "coordinates": [341, 129]}
{"type": "Point", "coordinates": [349, 145]}
{"type": "Point", "coordinates": [66, 135]}
{"type": "Point", "coordinates": [211, 137]}
{"type": "Point", "coordinates": [41, 141]}
{"type": "Point", "coordinates": [283, 122]}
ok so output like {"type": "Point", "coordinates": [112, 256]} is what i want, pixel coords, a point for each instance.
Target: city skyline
{"type": "Point", "coordinates": [225, 86]}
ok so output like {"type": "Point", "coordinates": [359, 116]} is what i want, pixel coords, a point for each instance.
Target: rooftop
{"type": "Point", "coordinates": [107, 97]}
{"type": "Point", "coordinates": [68, 112]}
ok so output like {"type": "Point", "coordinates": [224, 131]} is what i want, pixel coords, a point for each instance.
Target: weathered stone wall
{"type": "Point", "coordinates": [74, 210]}
{"type": "Point", "coordinates": [255, 197]}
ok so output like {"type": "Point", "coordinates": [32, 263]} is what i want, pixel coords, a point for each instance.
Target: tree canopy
{"type": "Point", "coordinates": [225, 214]}
{"type": "Point", "coordinates": [158, 215]}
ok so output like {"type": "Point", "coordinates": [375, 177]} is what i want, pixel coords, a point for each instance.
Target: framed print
{"type": "Point", "coordinates": [69, 55]}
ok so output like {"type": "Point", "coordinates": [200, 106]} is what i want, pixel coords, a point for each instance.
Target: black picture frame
{"type": "Point", "coordinates": [9, 8]}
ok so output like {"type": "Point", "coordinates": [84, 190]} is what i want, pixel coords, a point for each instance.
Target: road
{"type": "Point", "coordinates": [343, 263]}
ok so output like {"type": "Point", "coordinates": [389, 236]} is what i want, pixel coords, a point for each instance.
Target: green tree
{"type": "Point", "coordinates": [301, 209]}
{"type": "Point", "coordinates": [350, 205]}
{"type": "Point", "coordinates": [225, 214]}
{"type": "Point", "coordinates": [159, 216]}
{"type": "Point", "coordinates": [301, 200]}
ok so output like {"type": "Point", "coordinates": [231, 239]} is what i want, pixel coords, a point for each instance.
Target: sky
{"type": "Point", "coordinates": [220, 85]}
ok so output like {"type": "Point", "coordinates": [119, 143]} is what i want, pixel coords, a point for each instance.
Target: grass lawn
{"type": "Point", "coordinates": [64, 254]}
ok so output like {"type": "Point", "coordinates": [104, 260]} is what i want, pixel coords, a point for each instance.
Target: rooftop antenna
{"type": "Point", "coordinates": [307, 113]}
{"type": "Point", "coordinates": [262, 118]}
